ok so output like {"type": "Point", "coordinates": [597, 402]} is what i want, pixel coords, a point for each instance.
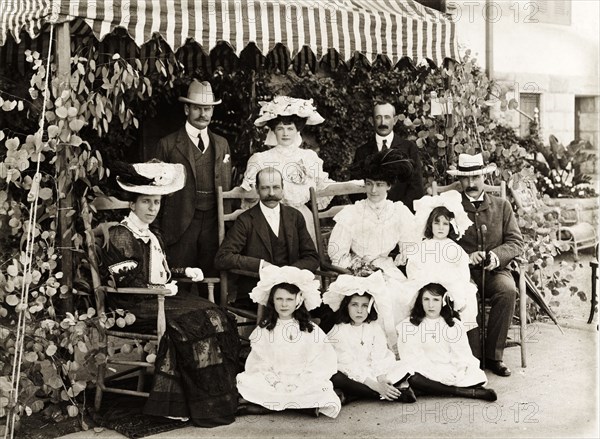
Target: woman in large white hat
{"type": "Point", "coordinates": [197, 356]}
{"type": "Point", "coordinates": [301, 168]}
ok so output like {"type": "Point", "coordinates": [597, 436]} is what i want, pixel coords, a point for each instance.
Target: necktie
{"type": "Point", "coordinates": [476, 204]}
{"type": "Point", "coordinates": [201, 145]}
{"type": "Point", "coordinates": [384, 145]}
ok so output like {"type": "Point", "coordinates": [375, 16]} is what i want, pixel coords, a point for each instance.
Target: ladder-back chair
{"type": "Point", "coordinates": [500, 191]}
{"type": "Point", "coordinates": [323, 223]}
{"type": "Point", "coordinates": [226, 198]}
{"type": "Point", "coordinates": [94, 235]}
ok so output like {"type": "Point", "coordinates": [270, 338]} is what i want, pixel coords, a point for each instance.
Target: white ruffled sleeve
{"type": "Point", "coordinates": [321, 178]}
{"type": "Point", "coordinates": [259, 358]}
{"type": "Point", "coordinates": [382, 358]}
{"type": "Point", "coordinates": [254, 165]}
{"type": "Point", "coordinates": [321, 362]}
{"type": "Point", "coordinates": [340, 241]}
{"type": "Point", "coordinates": [346, 360]}
{"type": "Point", "coordinates": [405, 221]}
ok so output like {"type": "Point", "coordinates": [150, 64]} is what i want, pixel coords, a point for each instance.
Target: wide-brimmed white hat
{"type": "Point", "coordinates": [167, 178]}
{"type": "Point", "coordinates": [457, 289]}
{"type": "Point", "coordinates": [288, 106]}
{"type": "Point", "coordinates": [200, 93]}
{"type": "Point", "coordinates": [470, 165]}
{"type": "Point", "coordinates": [348, 285]}
{"type": "Point", "coordinates": [272, 275]}
{"type": "Point", "coordinates": [451, 200]}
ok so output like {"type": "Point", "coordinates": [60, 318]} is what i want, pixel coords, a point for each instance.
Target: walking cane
{"type": "Point", "coordinates": [482, 231]}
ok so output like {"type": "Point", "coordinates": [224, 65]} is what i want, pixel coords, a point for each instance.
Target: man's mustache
{"type": "Point", "coordinates": [272, 199]}
{"type": "Point", "coordinates": [384, 127]}
{"type": "Point", "coordinates": [472, 188]}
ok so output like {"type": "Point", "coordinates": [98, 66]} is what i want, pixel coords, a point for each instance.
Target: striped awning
{"type": "Point", "coordinates": [395, 28]}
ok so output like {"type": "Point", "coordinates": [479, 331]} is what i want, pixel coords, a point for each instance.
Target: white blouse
{"type": "Point", "coordinates": [369, 233]}
{"type": "Point", "coordinates": [362, 352]}
{"type": "Point", "coordinates": [301, 169]}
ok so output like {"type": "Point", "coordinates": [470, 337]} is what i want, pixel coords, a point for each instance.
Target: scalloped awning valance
{"type": "Point", "coordinates": [395, 28]}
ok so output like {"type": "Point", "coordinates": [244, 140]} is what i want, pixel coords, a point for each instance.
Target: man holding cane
{"type": "Point", "coordinates": [492, 242]}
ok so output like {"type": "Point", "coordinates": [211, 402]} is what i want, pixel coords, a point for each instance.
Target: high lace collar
{"type": "Point", "coordinates": [139, 228]}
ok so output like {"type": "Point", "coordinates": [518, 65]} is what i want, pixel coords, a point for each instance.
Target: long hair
{"type": "Point", "coordinates": [271, 316]}
{"type": "Point", "coordinates": [418, 313]}
{"type": "Point", "coordinates": [435, 214]}
{"type": "Point", "coordinates": [299, 122]}
{"type": "Point", "coordinates": [342, 315]}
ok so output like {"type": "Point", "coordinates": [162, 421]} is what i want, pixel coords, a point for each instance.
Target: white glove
{"type": "Point", "coordinates": [194, 273]}
{"type": "Point", "coordinates": [172, 286]}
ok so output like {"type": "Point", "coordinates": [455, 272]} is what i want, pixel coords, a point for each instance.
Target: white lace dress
{"type": "Point", "coordinates": [290, 369]}
{"type": "Point", "coordinates": [362, 353]}
{"type": "Point", "coordinates": [439, 352]}
{"type": "Point", "coordinates": [447, 257]}
{"type": "Point", "coordinates": [301, 169]}
{"type": "Point", "coordinates": [371, 233]}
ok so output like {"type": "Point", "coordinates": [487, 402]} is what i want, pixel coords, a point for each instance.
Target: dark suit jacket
{"type": "Point", "coordinates": [247, 242]}
{"type": "Point", "coordinates": [177, 209]}
{"type": "Point", "coordinates": [503, 235]}
{"type": "Point", "coordinates": [406, 192]}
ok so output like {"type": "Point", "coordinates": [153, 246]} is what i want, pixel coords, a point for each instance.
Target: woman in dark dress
{"type": "Point", "coordinates": [197, 358]}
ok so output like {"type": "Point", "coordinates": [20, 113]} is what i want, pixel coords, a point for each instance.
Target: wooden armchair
{"type": "Point", "coordinates": [520, 275]}
{"type": "Point", "coordinates": [245, 317]}
{"type": "Point", "coordinates": [117, 336]}
{"type": "Point", "coordinates": [570, 229]}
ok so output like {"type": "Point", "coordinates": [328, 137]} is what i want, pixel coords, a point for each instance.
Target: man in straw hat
{"type": "Point", "coordinates": [503, 241]}
{"type": "Point", "coordinates": [189, 218]}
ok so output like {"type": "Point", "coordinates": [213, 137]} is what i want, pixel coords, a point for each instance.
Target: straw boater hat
{"type": "Point", "coordinates": [288, 106]}
{"type": "Point", "coordinates": [348, 285]}
{"type": "Point", "coordinates": [200, 93]}
{"type": "Point", "coordinates": [157, 178]}
{"type": "Point", "coordinates": [272, 275]}
{"type": "Point", "coordinates": [452, 201]}
{"type": "Point", "coordinates": [470, 165]}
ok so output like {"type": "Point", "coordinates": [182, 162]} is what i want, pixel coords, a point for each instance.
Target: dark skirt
{"type": "Point", "coordinates": [197, 360]}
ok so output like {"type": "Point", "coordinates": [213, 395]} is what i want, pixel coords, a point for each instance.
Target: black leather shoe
{"type": "Point", "coordinates": [407, 395]}
{"type": "Point", "coordinates": [498, 367]}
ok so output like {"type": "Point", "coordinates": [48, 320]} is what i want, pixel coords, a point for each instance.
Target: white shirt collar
{"type": "Point", "coordinates": [268, 212]}
{"type": "Point", "coordinates": [136, 222]}
{"type": "Point", "coordinates": [480, 198]}
{"type": "Point", "coordinates": [379, 139]}
{"type": "Point", "coordinates": [194, 132]}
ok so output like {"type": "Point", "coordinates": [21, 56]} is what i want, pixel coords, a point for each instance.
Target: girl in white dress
{"type": "Point", "coordinates": [367, 231]}
{"type": "Point", "coordinates": [434, 344]}
{"type": "Point", "coordinates": [367, 368]}
{"type": "Point", "coordinates": [441, 220]}
{"type": "Point", "coordinates": [301, 168]}
{"type": "Point", "coordinates": [290, 364]}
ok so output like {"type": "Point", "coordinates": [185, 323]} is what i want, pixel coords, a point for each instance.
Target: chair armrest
{"type": "Point", "coordinates": [244, 273]}
{"type": "Point", "coordinates": [330, 267]}
{"type": "Point", "coordinates": [133, 290]}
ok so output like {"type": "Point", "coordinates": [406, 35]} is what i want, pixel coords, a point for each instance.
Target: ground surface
{"type": "Point", "coordinates": [556, 395]}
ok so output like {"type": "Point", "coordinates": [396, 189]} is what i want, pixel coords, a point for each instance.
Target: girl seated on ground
{"type": "Point", "coordinates": [290, 364]}
{"type": "Point", "coordinates": [433, 343]}
{"type": "Point", "coordinates": [367, 369]}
